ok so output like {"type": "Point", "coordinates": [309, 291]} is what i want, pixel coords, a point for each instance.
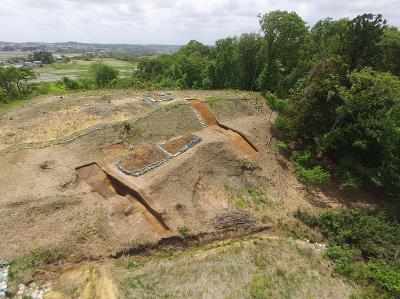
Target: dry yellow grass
{"type": "Point", "coordinates": [254, 267]}
{"type": "Point", "coordinates": [259, 267]}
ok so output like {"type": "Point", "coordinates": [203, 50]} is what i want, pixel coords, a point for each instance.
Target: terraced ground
{"type": "Point", "coordinates": [214, 221]}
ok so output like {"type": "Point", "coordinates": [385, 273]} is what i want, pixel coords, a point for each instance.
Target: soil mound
{"type": "Point", "coordinates": [142, 156]}
{"type": "Point", "coordinates": [192, 193]}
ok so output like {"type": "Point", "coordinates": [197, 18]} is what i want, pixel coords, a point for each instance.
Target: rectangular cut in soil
{"type": "Point", "coordinates": [204, 112]}
{"type": "Point", "coordinates": [115, 191]}
{"type": "Point", "coordinates": [175, 145]}
{"type": "Point", "coordinates": [97, 179]}
{"type": "Point", "coordinates": [142, 156]}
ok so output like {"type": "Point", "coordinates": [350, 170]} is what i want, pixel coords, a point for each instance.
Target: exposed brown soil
{"type": "Point", "coordinates": [241, 135]}
{"type": "Point", "coordinates": [114, 149]}
{"type": "Point", "coordinates": [236, 137]}
{"type": "Point", "coordinates": [125, 199]}
{"type": "Point", "coordinates": [205, 113]}
{"type": "Point", "coordinates": [142, 156]}
{"type": "Point", "coordinates": [237, 140]}
{"type": "Point", "coordinates": [175, 145]}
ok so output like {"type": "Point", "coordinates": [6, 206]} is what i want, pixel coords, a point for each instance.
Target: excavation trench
{"type": "Point", "coordinates": [178, 243]}
{"type": "Point", "coordinates": [236, 137]}
{"type": "Point", "coordinates": [130, 200]}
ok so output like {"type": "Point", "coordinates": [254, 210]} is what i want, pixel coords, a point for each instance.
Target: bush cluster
{"type": "Point", "coordinates": [364, 246]}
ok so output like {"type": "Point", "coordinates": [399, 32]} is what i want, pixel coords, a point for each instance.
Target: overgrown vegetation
{"type": "Point", "coordinates": [364, 246]}
{"type": "Point", "coordinates": [14, 83]}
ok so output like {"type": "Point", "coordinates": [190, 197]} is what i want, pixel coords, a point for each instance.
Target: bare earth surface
{"type": "Point", "coordinates": [176, 144]}
{"type": "Point", "coordinates": [70, 198]}
{"type": "Point", "coordinates": [143, 155]}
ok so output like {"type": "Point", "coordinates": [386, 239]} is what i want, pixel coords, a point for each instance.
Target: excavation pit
{"type": "Point", "coordinates": [175, 145]}
{"type": "Point", "coordinates": [235, 136]}
{"type": "Point", "coordinates": [142, 156]}
{"type": "Point", "coordinates": [123, 198]}
{"type": "Point", "coordinates": [204, 112]}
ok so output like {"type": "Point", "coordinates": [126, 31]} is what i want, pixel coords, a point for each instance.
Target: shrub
{"type": "Point", "coordinates": [315, 176]}
{"type": "Point", "coordinates": [302, 158]}
{"type": "Point", "coordinates": [362, 245]}
{"type": "Point", "coordinates": [281, 146]}
{"type": "Point", "coordinates": [70, 84]}
{"type": "Point", "coordinates": [102, 73]}
{"type": "Point", "coordinates": [241, 204]}
{"type": "Point", "coordinates": [386, 276]}
{"type": "Point", "coordinates": [349, 181]}
{"type": "Point", "coordinates": [281, 124]}
{"type": "Point", "coordinates": [343, 258]}
{"type": "Point", "coordinates": [183, 231]}
{"type": "Point", "coordinates": [275, 103]}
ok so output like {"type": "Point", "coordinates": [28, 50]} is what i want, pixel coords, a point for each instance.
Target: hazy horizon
{"type": "Point", "coordinates": [157, 22]}
{"type": "Point", "coordinates": [91, 43]}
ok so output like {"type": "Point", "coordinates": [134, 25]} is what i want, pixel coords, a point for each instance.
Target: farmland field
{"type": "Point", "coordinates": [74, 69]}
{"type": "Point", "coordinates": [79, 68]}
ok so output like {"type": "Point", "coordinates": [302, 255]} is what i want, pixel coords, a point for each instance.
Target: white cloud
{"type": "Point", "coordinates": [162, 21]}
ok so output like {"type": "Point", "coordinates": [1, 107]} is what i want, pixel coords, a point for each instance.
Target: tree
{"type": "Point", "coordinates": [327, 38]}
{"type": "Point", "coordinates": [353, 121]}
{"type": "Point", "coordinates": [249, 60]}
{"type": "Point", "coordinates": [366, 138]}
{"type": "Point", "coordinates": [313, 111]}
{"type": "Point", "coordinates": [390, 50]}
{"type": "Point", "coordinates": [225, 56]}
{"type": "Point", "coordinates": [362, 40]}
{"type": "Point", "coordinates": [102, 73]}
{"type": "Point", "coordinates": [189, 66]}
{"type": "Point", "coordinates": [285, 35]}
{"type": "Point", "coordinates": [155, 69]}
{"type": "Point", "coordinates": [14, 82]}
{"type": "Point", "coordinates": [44, 56]}
{"type": "Point", "coordinates": [189, 70]}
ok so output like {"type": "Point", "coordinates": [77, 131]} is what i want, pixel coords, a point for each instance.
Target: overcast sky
{"type": "Point", "coordinates": [162, 21]}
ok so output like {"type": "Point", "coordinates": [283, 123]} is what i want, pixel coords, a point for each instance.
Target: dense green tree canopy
{"type": "Point", "coordinates": [44, 56]}
{"type": "Point", "coordinates": [286, 35]}
{"type": "Point", "coordinates": [14, 82]}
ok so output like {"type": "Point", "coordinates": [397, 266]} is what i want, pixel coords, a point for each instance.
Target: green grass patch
{"type": "Point", "coordinates": [255, 194]}
{"type": "Point", "coordinates": [184, 231]}
{"type": "Point", "coordinates": [261, 287]}
{"type": "Point", "coordinates": [240, 204]}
